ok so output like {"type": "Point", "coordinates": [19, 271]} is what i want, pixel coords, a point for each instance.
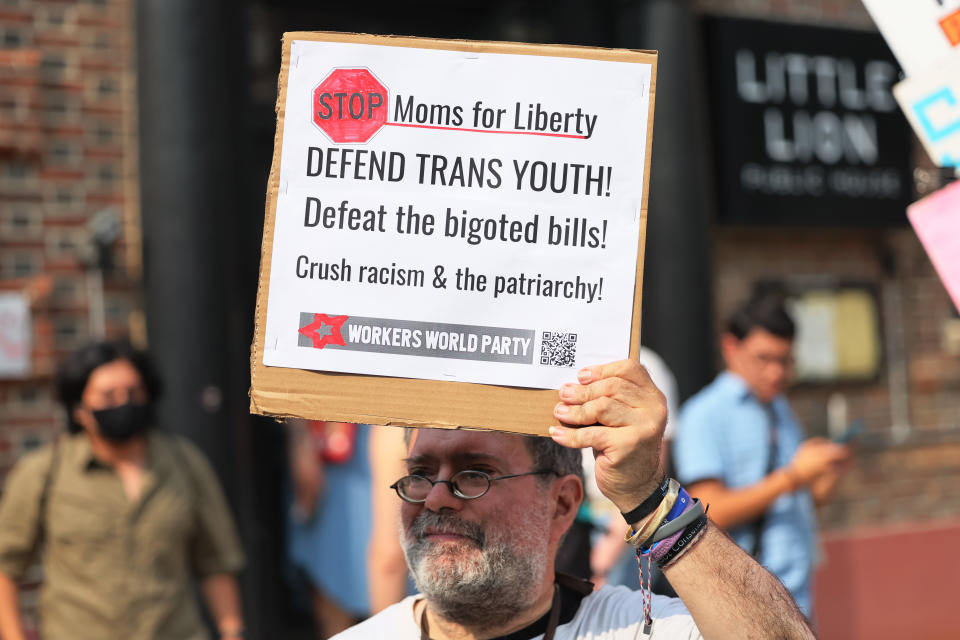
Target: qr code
{"type": "Point", "coordinates": [558, 349]}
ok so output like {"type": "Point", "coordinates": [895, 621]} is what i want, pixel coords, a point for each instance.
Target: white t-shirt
{"type": "Point", "coordinates": [610, 613]}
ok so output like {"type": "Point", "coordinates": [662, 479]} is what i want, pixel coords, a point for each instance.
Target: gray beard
{"type": "Point", "coordinates": [477, 590]}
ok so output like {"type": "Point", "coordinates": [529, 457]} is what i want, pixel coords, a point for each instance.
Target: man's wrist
{"type": "Point", "coordinates": [635, 509]}
{"type": "Point", "coordinates": [791, 477]}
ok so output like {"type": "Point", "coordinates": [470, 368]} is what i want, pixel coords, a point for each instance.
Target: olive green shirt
{"type": "Point", "coordinates": [116, 568]}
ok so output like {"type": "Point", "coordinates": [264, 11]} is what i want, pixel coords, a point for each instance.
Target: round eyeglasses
{"type": "Point", "coordinates": [466, 484]}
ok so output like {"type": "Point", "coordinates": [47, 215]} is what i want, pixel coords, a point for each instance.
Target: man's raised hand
{"type": "Point", "coordinates": [618, 411]}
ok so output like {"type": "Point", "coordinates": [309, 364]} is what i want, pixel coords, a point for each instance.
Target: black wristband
{"type": "Point", "coordinates": [686, 541]}
{"type": "Point", "coordinates": [647, 506]}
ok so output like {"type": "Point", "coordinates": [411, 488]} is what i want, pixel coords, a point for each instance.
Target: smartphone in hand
{"type": "Point", "coordinates": [852, 431]}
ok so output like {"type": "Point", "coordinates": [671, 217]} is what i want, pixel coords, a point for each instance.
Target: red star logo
{"type": "Point", "coordinates": [320, 320]}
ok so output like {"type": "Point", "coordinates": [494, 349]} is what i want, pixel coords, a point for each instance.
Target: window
{"type": "Point", "coordinates": [63, 200]}
{"type": "Point", "coordinates": [117, 310]}
{"type": "Point", "coordinates": [18, 176]}
{"type": "Point", "coordinates": [107, 86]}
{"type": "Point", "coordinates": [103, 41]}
{"type": "Point", "coordinates": [9, 103]}
{"type": "Point", "coordinates": [51, 17]}
{"type": "Point", "coordinates": [106, 174]}
{"type": "Point", "coordinates": [57, 65]}
{"type": "Point", "coordinates": [53, 63]}
{"type": "Point", "coordinates": [67, 291]}
{"type": "Point", "coordinates": [11, 37]}
{"type": "Point", "coordinates": [102, 86]}
{"type": "Point", "coordinates": [20, 170]}
{"type": "Point", "coordinates": [64, 243]}
{"type": "Point", "coordinates": [29, 399]}
{"type": "Point", "coordinates": [838, 335]}
{"type": "Point", "coordinates": [58, 106]}
{"type": "Point", "coordinates": [14, 104]}
{"type": "Point", "coordinates": [21, 221]}
{"type": "Point", "coordinates": [101, 133]}
{"type": "Point", "coordinates": [21, 264]}
{"type": "Point", "coordinates": [55, 17]}
{"type": "Point", "coordinates": [63, 154]}
{"type": "Point", "coordinates": [69, 332]}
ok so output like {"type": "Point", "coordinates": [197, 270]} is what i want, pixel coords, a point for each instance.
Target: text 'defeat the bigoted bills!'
{"type": "Point", "coordinates": [456, 215]}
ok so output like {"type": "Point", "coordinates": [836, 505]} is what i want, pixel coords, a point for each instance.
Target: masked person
{"type": "Point", "coordinates": [125, 516]}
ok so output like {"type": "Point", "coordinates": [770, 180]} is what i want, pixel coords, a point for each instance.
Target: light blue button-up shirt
{"type": "Point", "coordinates": [724, 434]}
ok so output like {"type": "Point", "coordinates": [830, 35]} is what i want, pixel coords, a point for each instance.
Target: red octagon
{"type": "Point", "coordinates": [350, 105]}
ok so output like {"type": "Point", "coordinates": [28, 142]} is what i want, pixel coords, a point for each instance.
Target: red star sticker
{"type": "Point", "coordinates": [320, 320]}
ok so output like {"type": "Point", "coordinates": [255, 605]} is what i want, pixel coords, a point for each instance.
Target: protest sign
{"type": "Point", "coordinates": [936, 219]}
{"type": "Point", "coordinates": [931, 102]}
{"type": "Point", "coordinates": [14, 335]}
{"type": "Point", "coordinates": [920, 32]}
{"type": "Point", "coordinates": [449, 212]}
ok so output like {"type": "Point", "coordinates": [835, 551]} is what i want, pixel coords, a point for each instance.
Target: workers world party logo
{"type": "Point", "coordinates": [339, 332]}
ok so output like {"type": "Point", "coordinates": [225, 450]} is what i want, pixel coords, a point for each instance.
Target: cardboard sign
{"type": "Point", "coordinates": [936, 219]}
{"type": "Point", "coordinates": [449, 212]}
{"type": "Point", "coordinates": [14, 335]}
{"type": "Point", "coordinates": [920, 32]}
{"type": "Point", "coordinates": [931, 102]}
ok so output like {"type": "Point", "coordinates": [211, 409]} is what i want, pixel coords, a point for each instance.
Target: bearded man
{"type": "Point", "coordinates": [484, 513]}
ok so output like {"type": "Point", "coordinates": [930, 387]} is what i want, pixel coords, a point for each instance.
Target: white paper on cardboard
{"type": "Point", "coordinates": [931, 102]}
{"type": "Point", "coordinates": [481, 226]}
{"type": "Point", "coordinates": [14, 335]}
{"type": "Point", "coordinates": [920, 32]}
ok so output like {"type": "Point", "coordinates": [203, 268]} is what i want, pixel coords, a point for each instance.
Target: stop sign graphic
{"type": "Point", "coordinates": [350, 105]}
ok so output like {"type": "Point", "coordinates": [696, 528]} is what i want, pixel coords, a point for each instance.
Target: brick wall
{"type": "Point", "coordinates": [66, 154]}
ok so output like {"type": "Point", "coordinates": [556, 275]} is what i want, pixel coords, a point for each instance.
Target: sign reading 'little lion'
{"type": "Point", "coordinates": [449, 212]}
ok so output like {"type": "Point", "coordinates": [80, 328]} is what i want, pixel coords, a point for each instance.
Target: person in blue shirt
{"type": "Point", "coordinates": [740, 448]}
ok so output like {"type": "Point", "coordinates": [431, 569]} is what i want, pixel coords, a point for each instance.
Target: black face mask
{"type": "Point", "coordinates": [119, 424]}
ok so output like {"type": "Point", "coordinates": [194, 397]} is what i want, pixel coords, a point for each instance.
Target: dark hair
{"type": "Point", "coordinates": [74, 372]}
{"type": "Point", "coordinates": [762, 312]}
{"type": "Point", "coordinates": [545, 454]}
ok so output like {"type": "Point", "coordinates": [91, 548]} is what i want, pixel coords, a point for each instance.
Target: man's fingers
{"type": "Point", "coordinates": [616, 388]}
{"type": "Point", "coordinates": [595, 437]}
{"type": "Point", "coordinates": [602, 410]}
{"type": "Point", "coordinates": [839, 453]}
{"type": "Point", "coordinates": [627, 369]}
